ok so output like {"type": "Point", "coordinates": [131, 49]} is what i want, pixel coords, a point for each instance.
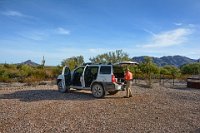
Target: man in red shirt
{"type": "Point", "coordinates": [128, 78]}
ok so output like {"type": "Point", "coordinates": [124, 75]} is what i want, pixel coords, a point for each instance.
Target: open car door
{"type": "Point", "coordinates": [67, 76]}
{"type": "Point", "coordinates": [64, 85]}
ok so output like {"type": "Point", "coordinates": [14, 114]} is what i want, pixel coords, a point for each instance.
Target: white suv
{"type": "Point", "coordinates": [100, 79]}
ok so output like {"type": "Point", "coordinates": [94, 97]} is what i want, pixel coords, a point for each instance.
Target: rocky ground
{"type": "Point", "coordinates": [41, 108]}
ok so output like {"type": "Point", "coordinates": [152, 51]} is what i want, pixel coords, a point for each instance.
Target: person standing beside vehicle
{"type": "Point", "coordinates": [128, 78]}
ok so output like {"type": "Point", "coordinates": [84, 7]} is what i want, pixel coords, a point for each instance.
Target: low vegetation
{"type": "Point", "coordinates": [146, 70]}
{"type": "Point", "coordinates": [25, 73]}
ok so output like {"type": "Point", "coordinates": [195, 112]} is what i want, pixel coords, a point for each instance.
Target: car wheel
{"type": "Point", "coordinates": [62, 88]}
{"type": "Point", "coordinates": [98, 91]}
{"type": "Point", "coordinates": [112, 92]}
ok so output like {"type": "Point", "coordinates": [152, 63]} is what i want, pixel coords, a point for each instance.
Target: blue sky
{"type": "Point", "coordinates": [59, 29]}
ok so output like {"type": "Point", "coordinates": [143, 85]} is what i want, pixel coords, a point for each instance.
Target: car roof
{"type": "Point", "coordinates": [99, 65]}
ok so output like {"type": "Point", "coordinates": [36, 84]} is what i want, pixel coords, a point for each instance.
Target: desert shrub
{"type": "Point", "coordinates": [26, 68]}
{"type": "Point", "coordinates": [19, 66]}
{"type": "Point", "coordinates": [173, 71]}
{"type": "Point", "coordinates": [191, 69]}
{"type": "Point", "coordinates": [4, 76]}
{"type": "Point", "coordinates": [137, 73]}
{"type": "Point", "coordinates": [8, 74]}
{"type": "Point", "coordinates": [15, 72]}
{"type": "Point", "coordinates": [40, 67]}
{"type": "Point", "coordinates": [148, 68]}
{"type": "Point", "coordinates": [2, 71]}
{"type": "Point", "coordinates": [164, 71]}
{"type": "Point", "coordinates": [56, 71]}
{"type": "Point", "coordinates": [39, 74]}
{"type": "Point", "coordinates": [9, 66]}
{"type": "Point", "coordinates": [6, 65]}
{"type": "Point", "coordinates": [25, 73]}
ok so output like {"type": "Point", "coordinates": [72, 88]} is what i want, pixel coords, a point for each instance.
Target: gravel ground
{"type": "Point", "coordinates": [43, 109]}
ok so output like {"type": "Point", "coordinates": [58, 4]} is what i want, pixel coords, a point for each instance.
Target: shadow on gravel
{"type": "Point", "coordinates": [39, 95]}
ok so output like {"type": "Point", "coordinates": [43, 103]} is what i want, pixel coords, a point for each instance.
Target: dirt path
{"type": "Point", "coordinates": [44, 109]}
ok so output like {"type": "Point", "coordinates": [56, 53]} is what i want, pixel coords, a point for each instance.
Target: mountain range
{"type": "Point", "coordinates": [176, 60]}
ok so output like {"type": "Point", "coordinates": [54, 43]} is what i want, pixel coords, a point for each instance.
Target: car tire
{"type": "Point", "coordinates": [98, 90]}
{"type": "Point", "coordinates": [62, 88]}
{"type": "Point", "coordinates": [112, 92]}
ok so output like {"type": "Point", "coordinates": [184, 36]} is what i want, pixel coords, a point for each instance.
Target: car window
{"type": "Point", "coordinates": [66, 71]}
{"type": "Point", "coordinates": [79, 70]}
{"type": "Point", "coordinates": [90, 74]}
{"type": "Point", "coordinates": [105, 70]}
{"type": "Point", "coordinates": [76, 76]}
{"type": "Point", "coordinates": [91, 70]}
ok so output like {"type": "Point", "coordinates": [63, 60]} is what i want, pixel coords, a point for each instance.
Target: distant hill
{"type": "Point", "coordinates": [176, 60]}
{"type": "Point", "coordinates": [29, 62]}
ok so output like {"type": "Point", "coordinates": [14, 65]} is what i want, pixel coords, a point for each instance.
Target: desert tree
{"type": "Point", "coordinates": [148, 68]}
{"type": "Point", "coordinates": [136, 72]}
{"type": "Point", "coordinates": [110, 57]}
{"type": "Point", "coordinates": [163, 72]}
{"type": "Point", "coordinates": [191, 69]}
{"type": "Point", "coordinates": [173, 71]}
{"type": "Point", "coordinates": [73, 62]}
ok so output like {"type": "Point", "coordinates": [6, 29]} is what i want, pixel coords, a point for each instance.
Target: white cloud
{"type": "Point", "coordinates": [63, 31]}
{"type": "Point", "coordinates": [99, 50]}
{"type": "Point", "coordinates": [178, 24]}
{"type": "Point", "coordinates": [13, 13]}
{"type": "Point", "coordinates": [34, 35]}
{"type": "Point", "coordinates": [39, 35]}
{"type": "Point", "coordinates": [192, 25]}
{"type": "Point", "coordinates": [169, 38]}
{"type": "Point", "coordinates": [148, 31]}
{"type": "Point", "coordinates": [186, 25]}
{"type": "Point", "coordinates": [84, 51]}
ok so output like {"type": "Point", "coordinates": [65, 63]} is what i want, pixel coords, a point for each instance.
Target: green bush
{"type": "Point", "coordinates": [25, 73]}
{"type": "Point", "coordinates": [56, 71]}
{"type": "Point", "coordinates": [191, 69]}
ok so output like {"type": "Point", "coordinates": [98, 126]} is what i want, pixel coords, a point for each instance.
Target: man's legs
{"type": "Point", "coordinates": [127, 88]}
{"type": "Point", "coordinates": [130, 92]}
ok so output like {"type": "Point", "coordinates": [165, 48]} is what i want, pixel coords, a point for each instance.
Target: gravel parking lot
{"type": "Point", "coordinates": [43, 109]}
